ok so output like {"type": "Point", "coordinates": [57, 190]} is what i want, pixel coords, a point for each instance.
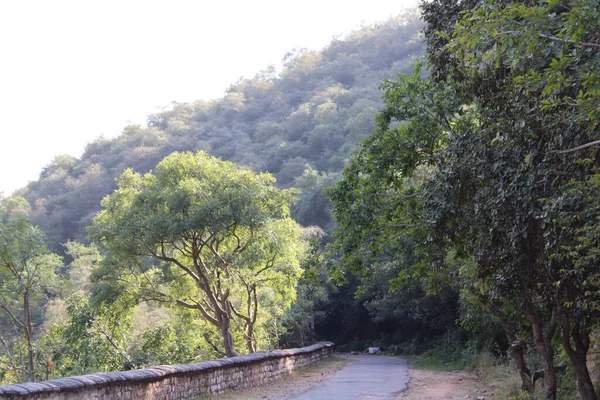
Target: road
{"type": "Point", "coordinates": [369, 377]}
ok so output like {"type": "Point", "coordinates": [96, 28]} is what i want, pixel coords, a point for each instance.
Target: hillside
{"type": "Point", "coordinates": [307, 119]}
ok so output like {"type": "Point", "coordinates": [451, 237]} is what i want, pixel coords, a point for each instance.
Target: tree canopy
{"type": "Point", "coordinates": [491, 160]}
{"type": "Point", "coordinates": [221, 238]}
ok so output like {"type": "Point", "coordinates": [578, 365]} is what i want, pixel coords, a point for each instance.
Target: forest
{"type": "Point", "coordinates": [429, 185]}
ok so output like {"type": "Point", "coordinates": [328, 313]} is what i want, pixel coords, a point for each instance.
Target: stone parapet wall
{"type": "Point", "coordinates": [173, 382]}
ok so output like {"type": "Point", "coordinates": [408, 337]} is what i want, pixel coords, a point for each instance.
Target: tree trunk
{"type": "Point", "coordinates": [524, 372]}
{"type": "Point", "coordinates": [577, 355]}
{"type": "Point", "coordinates": [224, 319]}
{"type": "Point", "coordinates": [250, 337]}
{"type": "Point", "coordinates": [250, 317]}
{"type": "Point", "coordinates": [517, 348]}
{"type": "Point", "coordinates": [252, 314]}
{"type": "Point", "coordinates": [544, 347]}
{"type": "Point", "coordinates": [228, 341]}
{"type": "Point", "coordinates": [28, 336]}
{"type": "Point", "coordinates": [582, 377]}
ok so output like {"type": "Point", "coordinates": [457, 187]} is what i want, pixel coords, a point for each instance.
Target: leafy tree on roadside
{"type": "Point", "coordinates": [27, 278]}
{"type": "Point", "coordinates": [512, 100]}
{"type": "Point", "coordinates": [536, 71]}
{"type": "Point", "coordinates": [202, 234]}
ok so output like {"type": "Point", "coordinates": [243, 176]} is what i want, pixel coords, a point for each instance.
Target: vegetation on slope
{"type": "Point", "coordinates": [309, 117]}
{"type": "Point", "coordinates": [131, 303]}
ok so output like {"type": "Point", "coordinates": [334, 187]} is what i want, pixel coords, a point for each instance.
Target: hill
{"type": "Point", "coordinates": [301, 125]}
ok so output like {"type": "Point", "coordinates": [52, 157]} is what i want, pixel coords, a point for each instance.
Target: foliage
{"type": "Point", "coordinates": [220, 237]}
{"type": "Point", "coordinates": [378, 206]}
{"type": "Point", "coordinates": [536, 70]}
{"type": "Point", "coordinates": [92, 339]}
{"type": "Point", "coordinates": [27, 279]}
{"type": "Point", "coordinates": [505, 132]}
{"type": "Point", "coordinates": [314, 290]}
{"type": "Point", "coordinates": [377, 201]}
{"type": "Point", "coordinates": [312, 113]}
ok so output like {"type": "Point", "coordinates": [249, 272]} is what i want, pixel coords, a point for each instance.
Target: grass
{"type": "Point", "coordinates": [493, 373]}
{"type": "Point", "coordinates": [433, 364]}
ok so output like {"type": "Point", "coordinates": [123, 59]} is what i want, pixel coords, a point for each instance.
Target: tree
{"type": "Point", "coordinates": [512, 99]}
{"type": "Point", "coordinates": [378, 207]}
{"type": "Point", "coordinates": [202, 234]}
{"type": "Point", "coordinates": [95, 337]}
{"type": "Point", "coordinates": [536, 71]}
{"type": "Point", "coordinates": [27, 276]}
{"type": "Point", "coordinates": [378, 202]}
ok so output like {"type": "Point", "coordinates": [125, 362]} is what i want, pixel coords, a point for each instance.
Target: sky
{"type": "Point", "coordinates": [72, 71]}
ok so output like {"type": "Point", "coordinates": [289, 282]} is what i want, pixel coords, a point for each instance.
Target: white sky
{"type": "Point", "coordinates": [71, 71]}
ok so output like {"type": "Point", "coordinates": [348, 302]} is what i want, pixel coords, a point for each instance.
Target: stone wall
{"type": "Point", "coordinates": [186, 381]}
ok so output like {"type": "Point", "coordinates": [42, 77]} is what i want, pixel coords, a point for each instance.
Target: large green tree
{"type": "Point", "coordinates": [512, 101]}
{"type": "Point", "coordinates": [203, 234]}
{"type": "Point", "coordinates": [534, 70]}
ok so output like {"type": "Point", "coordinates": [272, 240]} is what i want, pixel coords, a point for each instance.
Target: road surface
{"type": "Point", "coordinates": [369, 377]}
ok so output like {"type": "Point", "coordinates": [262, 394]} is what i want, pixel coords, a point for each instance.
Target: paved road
{"type": "Point", "coordinates": [369, 377]}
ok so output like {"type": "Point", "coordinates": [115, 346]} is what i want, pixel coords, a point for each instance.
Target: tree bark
{"type": "Point", "coordinates": [250, 337]}
{"type": "Point", "coordinates": [28, 336]}
{"type": "Point", "coordinates": [228, 340]}
{"type": "Point", "coordinates": [517, 347]}
{"type": "Point", "coordinates": [572, 335]}
{"type": "Point", "coordinates": [224, 318]}
{"type": "Point", "coordinates": [544, 346]}
{"type": "Point", "coordinates": [251, 319]}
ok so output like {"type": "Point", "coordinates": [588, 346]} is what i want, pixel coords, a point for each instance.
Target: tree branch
{"type": "Point", "coordinates": [8, 353]}
{"type": "Point", "coordinates": [114, 344]}
{"type": "Point", "coordinates": [582, 44]}
{"type": "Point", "coordinates": [12, 316]}
{"type": "Point", "coordinates": [215, 348]}
{"type": "Point", "coordinates": [255, 296]}
{"type": "Point", "coordinates": [162, 256]}
{"type": "Point", "coordinates": [236, 312]}
{"type": "Point", "coordinates": [269, 264]}
{"type": "Point", "coordinates": [198, 306]}
{"type": "Point", "coordinates": [583, 146]}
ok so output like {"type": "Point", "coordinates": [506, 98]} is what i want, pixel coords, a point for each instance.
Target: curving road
{"type": "Point", "coordinates": [369, 377]}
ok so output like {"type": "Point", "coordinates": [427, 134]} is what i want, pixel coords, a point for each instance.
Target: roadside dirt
{"type": "Point", "coordinates": [430, 385]}
{"type": "Point", "coordinates": [423, 385]}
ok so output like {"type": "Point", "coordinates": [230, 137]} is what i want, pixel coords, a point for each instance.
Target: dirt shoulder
{"type": "Point", "coordinates": [434, 385]}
